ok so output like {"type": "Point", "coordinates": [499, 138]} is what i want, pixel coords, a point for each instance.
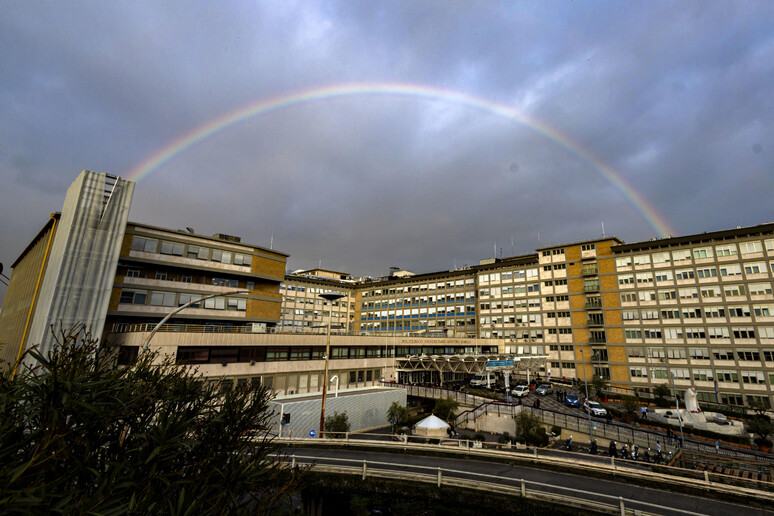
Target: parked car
{"type": "Point", "coordinates": [520, 391]}
{"type": "Point", "coordinates": [594, 408]}
{"type": "Point", "coordinates": [572, 400]}
{"type": "Point", "coordinates": [544, 389]}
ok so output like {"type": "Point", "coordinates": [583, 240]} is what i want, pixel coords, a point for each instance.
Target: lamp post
{"type": "Point", "coordinates": [586, 384]}
{"type": "Point", "coordinates": [677, 409]}
{"type": "Point", "coordinates": [180, 308]}
{"type": "Point", "coordinates": [329, 296]}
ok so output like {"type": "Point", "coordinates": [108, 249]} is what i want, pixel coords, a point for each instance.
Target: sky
{"type": "Point", "coordinates": [364, 135]}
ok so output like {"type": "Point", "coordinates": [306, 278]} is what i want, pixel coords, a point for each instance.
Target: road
{"type": "Point", "coordinates": [561, 482]}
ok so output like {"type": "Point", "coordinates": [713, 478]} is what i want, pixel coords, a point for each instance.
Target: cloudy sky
{"type": "Point", "coordinates": [507, 124]}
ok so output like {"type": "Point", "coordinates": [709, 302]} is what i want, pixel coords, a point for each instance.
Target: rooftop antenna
{"type": "Point", "coordinates": [319, 264]}
{"type": "Point", "coordinates": [603, 229]}
{"type": "Point", "coordinates": [495, 248]}
{"type": "Point", "coordinates": [271, 243]}
{"type": "Point", "coordinates": [538, 237]}
{"type": "Point", "coordinates": [513, 253]}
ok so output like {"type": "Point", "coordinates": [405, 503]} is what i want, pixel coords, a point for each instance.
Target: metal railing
{"type": "Point", "coordinates": [566, 496]}
{"type": "Point", "coordinates": [675, 477]}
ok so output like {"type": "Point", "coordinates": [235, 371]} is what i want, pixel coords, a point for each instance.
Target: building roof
{"type": "Point", "coordinates": [43, 231]}
{"type": "Point", "coordinates": [581, 242]}
{"type": "Point", "coordinates": [204, 237]}
{"type": "Point", "coordinates": [699, 238]}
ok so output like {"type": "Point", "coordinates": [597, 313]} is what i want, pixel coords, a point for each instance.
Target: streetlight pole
{"type": "Point", "coordinates": [586, 384]}
{"type": "Point", "coordinates": [330, 296]}
{"type": "Point", "coordinates": [677, 409]}
{"type": "Point", "coordinates": [181, 308]}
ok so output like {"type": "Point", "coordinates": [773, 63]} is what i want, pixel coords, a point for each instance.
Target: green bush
{"type": "Point", "coordinates": [529, 429]}
{"type": "Point", "coordinates": [505, 438]}
{"type": "Point", "coordinates": [446, 408]}
{"type": "Point", "coordinates": [80, 436]}
{"type": "Point", "coordinates": [478, 436]}
{"type": "Point", "coordinates": [337, 425]}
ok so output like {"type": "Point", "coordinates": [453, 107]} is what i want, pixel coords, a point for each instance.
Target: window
{"type": "Point", "coordinates": [732, 269]}
{"type": "Point", "coordinates": [645, 277]}
{"type": "Point", "coordinates": [753, 377]}
{"type": "Point", "coordinates": [751, 247]}
{"type": "Point", "coordinates": [187, 298]}
{"type": "Point", "coordinates": [161, 275]}
{"type": "Point", "coordinates": [754, 267]}
{"type": "Point", "coordinates": [748, 355]}
{"type": "Point", "coordinates": [134, 297]}
{"type": "Point", "coordinates": [647, 295]}
{"type": "Point", "coordinates": [146, 245]}
{"type": "Point", "coordinates": [642, 259]}
{"type": "Point", "coordinates": [681, 255]}
{"type": "Point", "coordinates": [734, 290]}
{"type": "Point", "coordinates": [635, 352]}
{"type": "Point", "coordinates": [688, 293]}
{"type": "Point", "coordinates": [664, 276]}
{"type": "Point", "coordinates": [162, 299]}
{"type": "Point", "coordinates": [661, 257]}
{"type": "Point", "coordinates": [625, 261]}
{"type": "Point", "coordinates": [739, 311]}
{"type": "Point", "coordinates": [684, 274]}
{"type": "Point", "coordinates": [171, 248]}
{"type": "Point", "coordinates": [707, 272]}
{"type": "Point", "coordinates": [627, 297]}
{"type": "Point", "coordinates": [588, 247]}
{"type": "Point", "coordinates": [133, 273]}
{"type": "Point", "coordinates": [242, 259]}
{"type": "Point", "coordinates": [743, 333]}
{"type": "Point", "coordinates": [723, 354]}
{"type": "Point", "coordinates": [676, 353]}
{"type": "Point", "coordinates": [186, 278]}
{"type": "Point", "coordinates": [702, 252]}
{"type": "Point", "coordinates": [665, 295]}
{"type": "Point", "coordinates": [625, 279]}
{"type": "Point", "coordinates": [714, 312]}
{"type": "Point", "coordinates": [763, 310]}
{"type": "Point", "coordinates": [725, 250]}
{"type": "Point", "coordinates": [633, 334]}
{"type": "Point", "coordinates": [699, 353]}
{"type": "Point", "coordinates": [709, 292]}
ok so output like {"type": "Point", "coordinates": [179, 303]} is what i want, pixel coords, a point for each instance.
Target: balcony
{"type": "Point", "coordinates": [591, 286]}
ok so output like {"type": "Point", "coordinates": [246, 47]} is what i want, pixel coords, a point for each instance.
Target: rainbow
{"type": "Point", "coordinates": [262, 107]}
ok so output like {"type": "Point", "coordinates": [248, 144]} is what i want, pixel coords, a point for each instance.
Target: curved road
{"type": "Point", "coordinates": [573, 481]}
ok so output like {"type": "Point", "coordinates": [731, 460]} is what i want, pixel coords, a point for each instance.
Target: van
{"type": "Point", "coordinates": [483, 380]}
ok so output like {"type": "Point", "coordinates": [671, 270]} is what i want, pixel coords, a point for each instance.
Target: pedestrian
{"type": "Point", "coordinates": [658, 447]}
{"type": "Point", "coordinates": [538, 403]}
{"type": "Point", "coordinates": [717, 446]}
{"type": "Point", "coordinates": [644, 412]}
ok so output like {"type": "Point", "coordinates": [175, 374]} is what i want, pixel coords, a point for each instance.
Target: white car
{"type": "Point", "coordinates": [520, 391]}
{"type": "Point", "coordinates": [594, 408]}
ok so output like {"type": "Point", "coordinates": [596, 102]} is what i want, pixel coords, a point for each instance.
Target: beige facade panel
{"type": "Point", "coordinates": [21, 292]}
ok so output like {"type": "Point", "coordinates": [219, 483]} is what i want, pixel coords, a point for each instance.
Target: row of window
{"type": "Point", "coordinates": [702, 375]}
{"type": "Point", "coordinates": [152, 245]}
{"type": "Point", "coordinates": [419, 288]}
{"type": "Point", "coordinates": [421, 300]}
{"type": "Point", "coordinates": [678, 353]}
{"type": "Point", "coordinates": [739, 333]}
{"type": "Point", "coordinates": [710, 292]}
{"type": "Point", "coordinates": [698, 253]}
{"type": "Point", "coordinates": [728, 270]}
{"type": "Point", "coordinates": [160, 298]}
{"type": "Point", "coordinates": [710, 312]}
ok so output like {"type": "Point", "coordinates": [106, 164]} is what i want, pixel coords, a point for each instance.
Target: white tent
{"type": "Point", "coordinates": [431, 426]}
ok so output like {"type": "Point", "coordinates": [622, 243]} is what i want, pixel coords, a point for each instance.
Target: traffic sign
{"type": "Point", "coordinates": [312, 433]}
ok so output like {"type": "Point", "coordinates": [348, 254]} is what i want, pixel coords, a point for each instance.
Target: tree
{"type": "Point", "coordinates": [397, 415]}
{"type": "Point", "coordinates": [630, 410]}
{"type": "Point", "coordinates": [761, 426]}
{"type": "Point", "coordinates": [529, 429]}
{"type": "Point", "coordinates": [599, 385]}
{"type": "Point", "coordinates": [79, 435]}
{"type": "Point", "coordinates": [446, 408]}
{"type": "Point", "coordinates": [337, 425]}
{"type": "Point", "coordinates": [661, 392]}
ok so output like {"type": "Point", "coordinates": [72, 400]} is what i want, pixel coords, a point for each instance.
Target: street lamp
{"type": "Point", "coordinates": [677, 409]}
{"type": "Point", "coordinates": [329, 296]}
{"type": "Point", "coordinates": [586, 384]}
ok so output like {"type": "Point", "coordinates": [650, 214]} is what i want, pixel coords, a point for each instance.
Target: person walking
{"type": "Point", "coordinates": [717, 446]}
{"type": "Point", "coordinates": [643, 412]}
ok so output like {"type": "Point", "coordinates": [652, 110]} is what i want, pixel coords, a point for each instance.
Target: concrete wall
{"type": "Point", "coordinates": [365, 410]}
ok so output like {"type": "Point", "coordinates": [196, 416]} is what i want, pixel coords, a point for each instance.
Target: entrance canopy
{"type": "Point", "coordinates": [469, 364]}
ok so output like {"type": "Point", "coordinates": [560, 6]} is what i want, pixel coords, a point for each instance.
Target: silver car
{"type": "Point", "coordinates": [544, 389]}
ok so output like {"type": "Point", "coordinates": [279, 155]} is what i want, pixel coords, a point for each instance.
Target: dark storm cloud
{"type": "Point", "coordinates": [674, 97]}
